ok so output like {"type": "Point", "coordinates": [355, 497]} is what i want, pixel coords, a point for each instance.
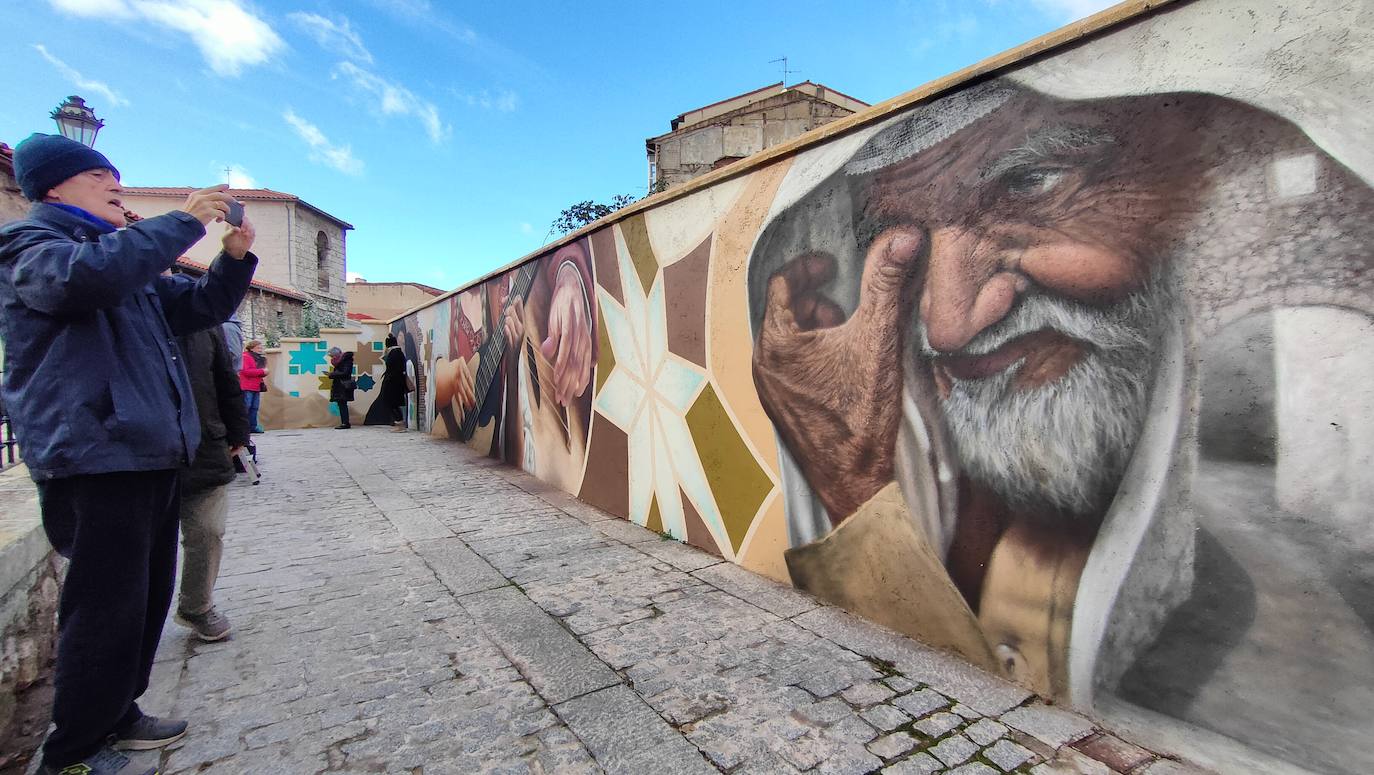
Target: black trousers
{"type": "Point", "coordinates": [120, 532]}
{"type": "Point", "coordinates": [343, 413]}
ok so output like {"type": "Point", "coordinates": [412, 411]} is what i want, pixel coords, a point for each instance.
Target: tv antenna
{"type": "Point", "coordinates": [228, 177]}
{"type": "Point", "coordinates": [785, 71]}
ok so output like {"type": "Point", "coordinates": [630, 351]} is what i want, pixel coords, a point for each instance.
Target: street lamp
{"type": "Point", "coordinates": [76, 121]}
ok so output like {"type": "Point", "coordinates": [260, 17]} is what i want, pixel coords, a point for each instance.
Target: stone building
{"type": "Point", "coordinates": [301, 248]}
{"type": "Point", "coordinates": [713, 136]}
{"type": "Point", "coordinates": [384, 301]}
{"type": "Point", "coordinates": [268, 311]}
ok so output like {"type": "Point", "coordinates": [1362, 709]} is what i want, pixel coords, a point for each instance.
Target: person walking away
{"type": "Point", "coordinates": [341, 391]}
{"type": "Point", "coordinates": [204, 494]}
{"type": "Point", "coordinates": [100, 401]}
{"type": "Point", "coordinates": [252, 381]}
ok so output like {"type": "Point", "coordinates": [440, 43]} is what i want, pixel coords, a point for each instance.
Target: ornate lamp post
{"type": "Point", "coordinates": [76, 121]}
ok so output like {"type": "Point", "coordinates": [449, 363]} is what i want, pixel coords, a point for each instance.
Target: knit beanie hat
{"type": "Point", "coordinates": [43, 161]}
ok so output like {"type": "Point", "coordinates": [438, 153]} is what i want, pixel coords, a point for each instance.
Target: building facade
{"type": "Point", "coordinates": [302, 250]}
{"type": "Point", "coordinates": [384, 301]}
{"type": "Point", "coordinates": [723, 132]}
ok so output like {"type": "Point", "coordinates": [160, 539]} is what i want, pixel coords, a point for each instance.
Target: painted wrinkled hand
{"type": "Point", "coordinates": [568, 345]}
{"type": "Point", "coordinates": [832, 386]}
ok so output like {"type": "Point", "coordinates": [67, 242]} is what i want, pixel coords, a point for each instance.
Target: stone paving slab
{"type": "Point", "coordinates": [548, 656]}
{"type": "Point", "coordinates": [626, 736]}
{"type": "Point", "coordinates": [459, 568]}
{"type": "Point", "coordinates": [402, 605]}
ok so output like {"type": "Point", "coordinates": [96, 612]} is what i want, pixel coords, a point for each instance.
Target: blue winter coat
{"type": "Point", "coordinates": [93, 380]}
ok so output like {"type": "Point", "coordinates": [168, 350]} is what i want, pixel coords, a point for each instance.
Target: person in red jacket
{"type": "Point", "coordinates": [251, 374]}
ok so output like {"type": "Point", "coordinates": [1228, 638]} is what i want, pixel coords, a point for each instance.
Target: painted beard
{"type": "Point", "coordinates": [1062, 446]}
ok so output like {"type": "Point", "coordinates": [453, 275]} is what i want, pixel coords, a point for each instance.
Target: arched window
{"type": "Point", "coordinates": [322, 259]}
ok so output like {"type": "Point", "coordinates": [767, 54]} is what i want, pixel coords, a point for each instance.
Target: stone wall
{"type": "Point", "coordinates": [1055, 363]}
{"type": "Point", "coordinates": [30, 581]}
{"type": "Point", "coordinates": [324, 281]}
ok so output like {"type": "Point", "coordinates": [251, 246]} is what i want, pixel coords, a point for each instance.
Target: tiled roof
{"type": "Point", "coordinates": [239, 193]}
{"type": "Point", "coordinates": [259, 284]}
{"type": "Point", "coordinates": [242, 194]}
{"type": "Point", "coordinates": [359, 316]}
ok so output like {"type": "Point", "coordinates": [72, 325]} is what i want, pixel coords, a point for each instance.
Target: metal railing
{"type": "Point", "coordinates": [9, 446]}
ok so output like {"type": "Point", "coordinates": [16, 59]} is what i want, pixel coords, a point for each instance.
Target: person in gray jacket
{"type": "Point", "coordinates": [97, 390]}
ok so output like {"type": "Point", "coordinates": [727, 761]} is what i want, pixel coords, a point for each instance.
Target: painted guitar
{"type": "Point", "coordinates": [477, 428]}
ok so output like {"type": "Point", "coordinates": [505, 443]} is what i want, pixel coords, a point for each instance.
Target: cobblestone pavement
{"type": "Point", "coordinates": [404, 606]}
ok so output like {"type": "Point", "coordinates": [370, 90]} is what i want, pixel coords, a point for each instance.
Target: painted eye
{"type": "Point", "coordinates": [1035, 181]}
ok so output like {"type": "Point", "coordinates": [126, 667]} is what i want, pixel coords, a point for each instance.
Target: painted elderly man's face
{"type": "Point", "coordinates": [1045, 291]}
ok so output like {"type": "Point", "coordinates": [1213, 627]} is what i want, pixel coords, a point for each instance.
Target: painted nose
{"type": "Point", "coordinates": [966, 289]}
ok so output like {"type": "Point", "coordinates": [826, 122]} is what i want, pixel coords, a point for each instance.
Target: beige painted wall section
{"type": "Point", "coordinates": [384, 301]}
{"type": "Point", "coordinates": [301, 399]}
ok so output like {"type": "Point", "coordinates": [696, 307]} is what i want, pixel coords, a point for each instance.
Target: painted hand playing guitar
{"type": "Point", "coordinates": [568, 341]}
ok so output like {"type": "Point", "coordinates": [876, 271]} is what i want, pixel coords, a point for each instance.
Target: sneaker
{"type": "Point", "coordinates": [148, 733]}
{"type": "Point", "coordinates": [209, 626]}
{"type": "Point", "coordinates": [342, 427]}
{"type": "Point", "coordinates": [106, 761]}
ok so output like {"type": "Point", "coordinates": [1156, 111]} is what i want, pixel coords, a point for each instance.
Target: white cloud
{"type": "Point", "coordinates": [394, 99]}
{"type": "Point", "coordinates": [229, 36]}
{"type": "Point", "coordinates": [81, 82]}
{"type": "Point", "coordinates": [526, 228]}
{"type": "Point", "coordinates": [338, 37]}
{"type": "Point", "coordinates": [340, 157]}
{"type": "Point", "coordinates": [1072, 10]}
{"type": "Point", "coordinates": [354, 277]}
{"type": "Point", "coordinates": [237, 177]}
{"type": "Point", "coordinates": [504, 100]}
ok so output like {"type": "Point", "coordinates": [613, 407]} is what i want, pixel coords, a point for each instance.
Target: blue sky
{"type": "Point", "coordinates": [451, 135]}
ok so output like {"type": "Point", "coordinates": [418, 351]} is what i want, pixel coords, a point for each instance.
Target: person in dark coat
{"type": "Point", "coordinates": [341, 391]}
{"type": "Point", "coordinates": [224, 432]}
{"type": "Point", "coordinates": [389, 408]}
{"type": "Point", "coordinates": [98, 394]}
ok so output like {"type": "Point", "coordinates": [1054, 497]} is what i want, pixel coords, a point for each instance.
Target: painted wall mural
{"type": "Point", "coordinates": [297, 386]}
{"type": "Point", "coordinates": [1065, 370]}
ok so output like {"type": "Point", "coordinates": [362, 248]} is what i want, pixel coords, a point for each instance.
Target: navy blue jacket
{"type": "Point", "coordinates": [94, 382]}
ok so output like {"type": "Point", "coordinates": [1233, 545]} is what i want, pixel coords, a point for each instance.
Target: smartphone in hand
{"type": "Point", "coordinates": [235, 215]}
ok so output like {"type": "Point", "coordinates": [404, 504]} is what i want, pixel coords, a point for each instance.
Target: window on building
{"type": "Point", "coordinates": [322, 259]}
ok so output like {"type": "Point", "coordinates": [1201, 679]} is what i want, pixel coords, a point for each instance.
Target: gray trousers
{"type": "Point", "coordinates": [202, 542]}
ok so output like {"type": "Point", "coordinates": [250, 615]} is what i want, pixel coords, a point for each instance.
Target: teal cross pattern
{"type": "Point", "coordinates": [377, 346]}
{"type": "Point", "coordinates": [307, 357]}
{"type": "Point", "coordinates": [295, 394]}
{"type": "Point", "coordinates": [365, 382]}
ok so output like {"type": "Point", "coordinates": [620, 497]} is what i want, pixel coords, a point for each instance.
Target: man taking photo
{"type": "Point", "coordinates": [98, 393]}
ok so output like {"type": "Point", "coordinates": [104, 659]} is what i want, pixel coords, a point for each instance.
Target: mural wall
{"type": "Point", "coordinates": [1065, 370]}
{"type": "Point", "coordinates": [298, 382]}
